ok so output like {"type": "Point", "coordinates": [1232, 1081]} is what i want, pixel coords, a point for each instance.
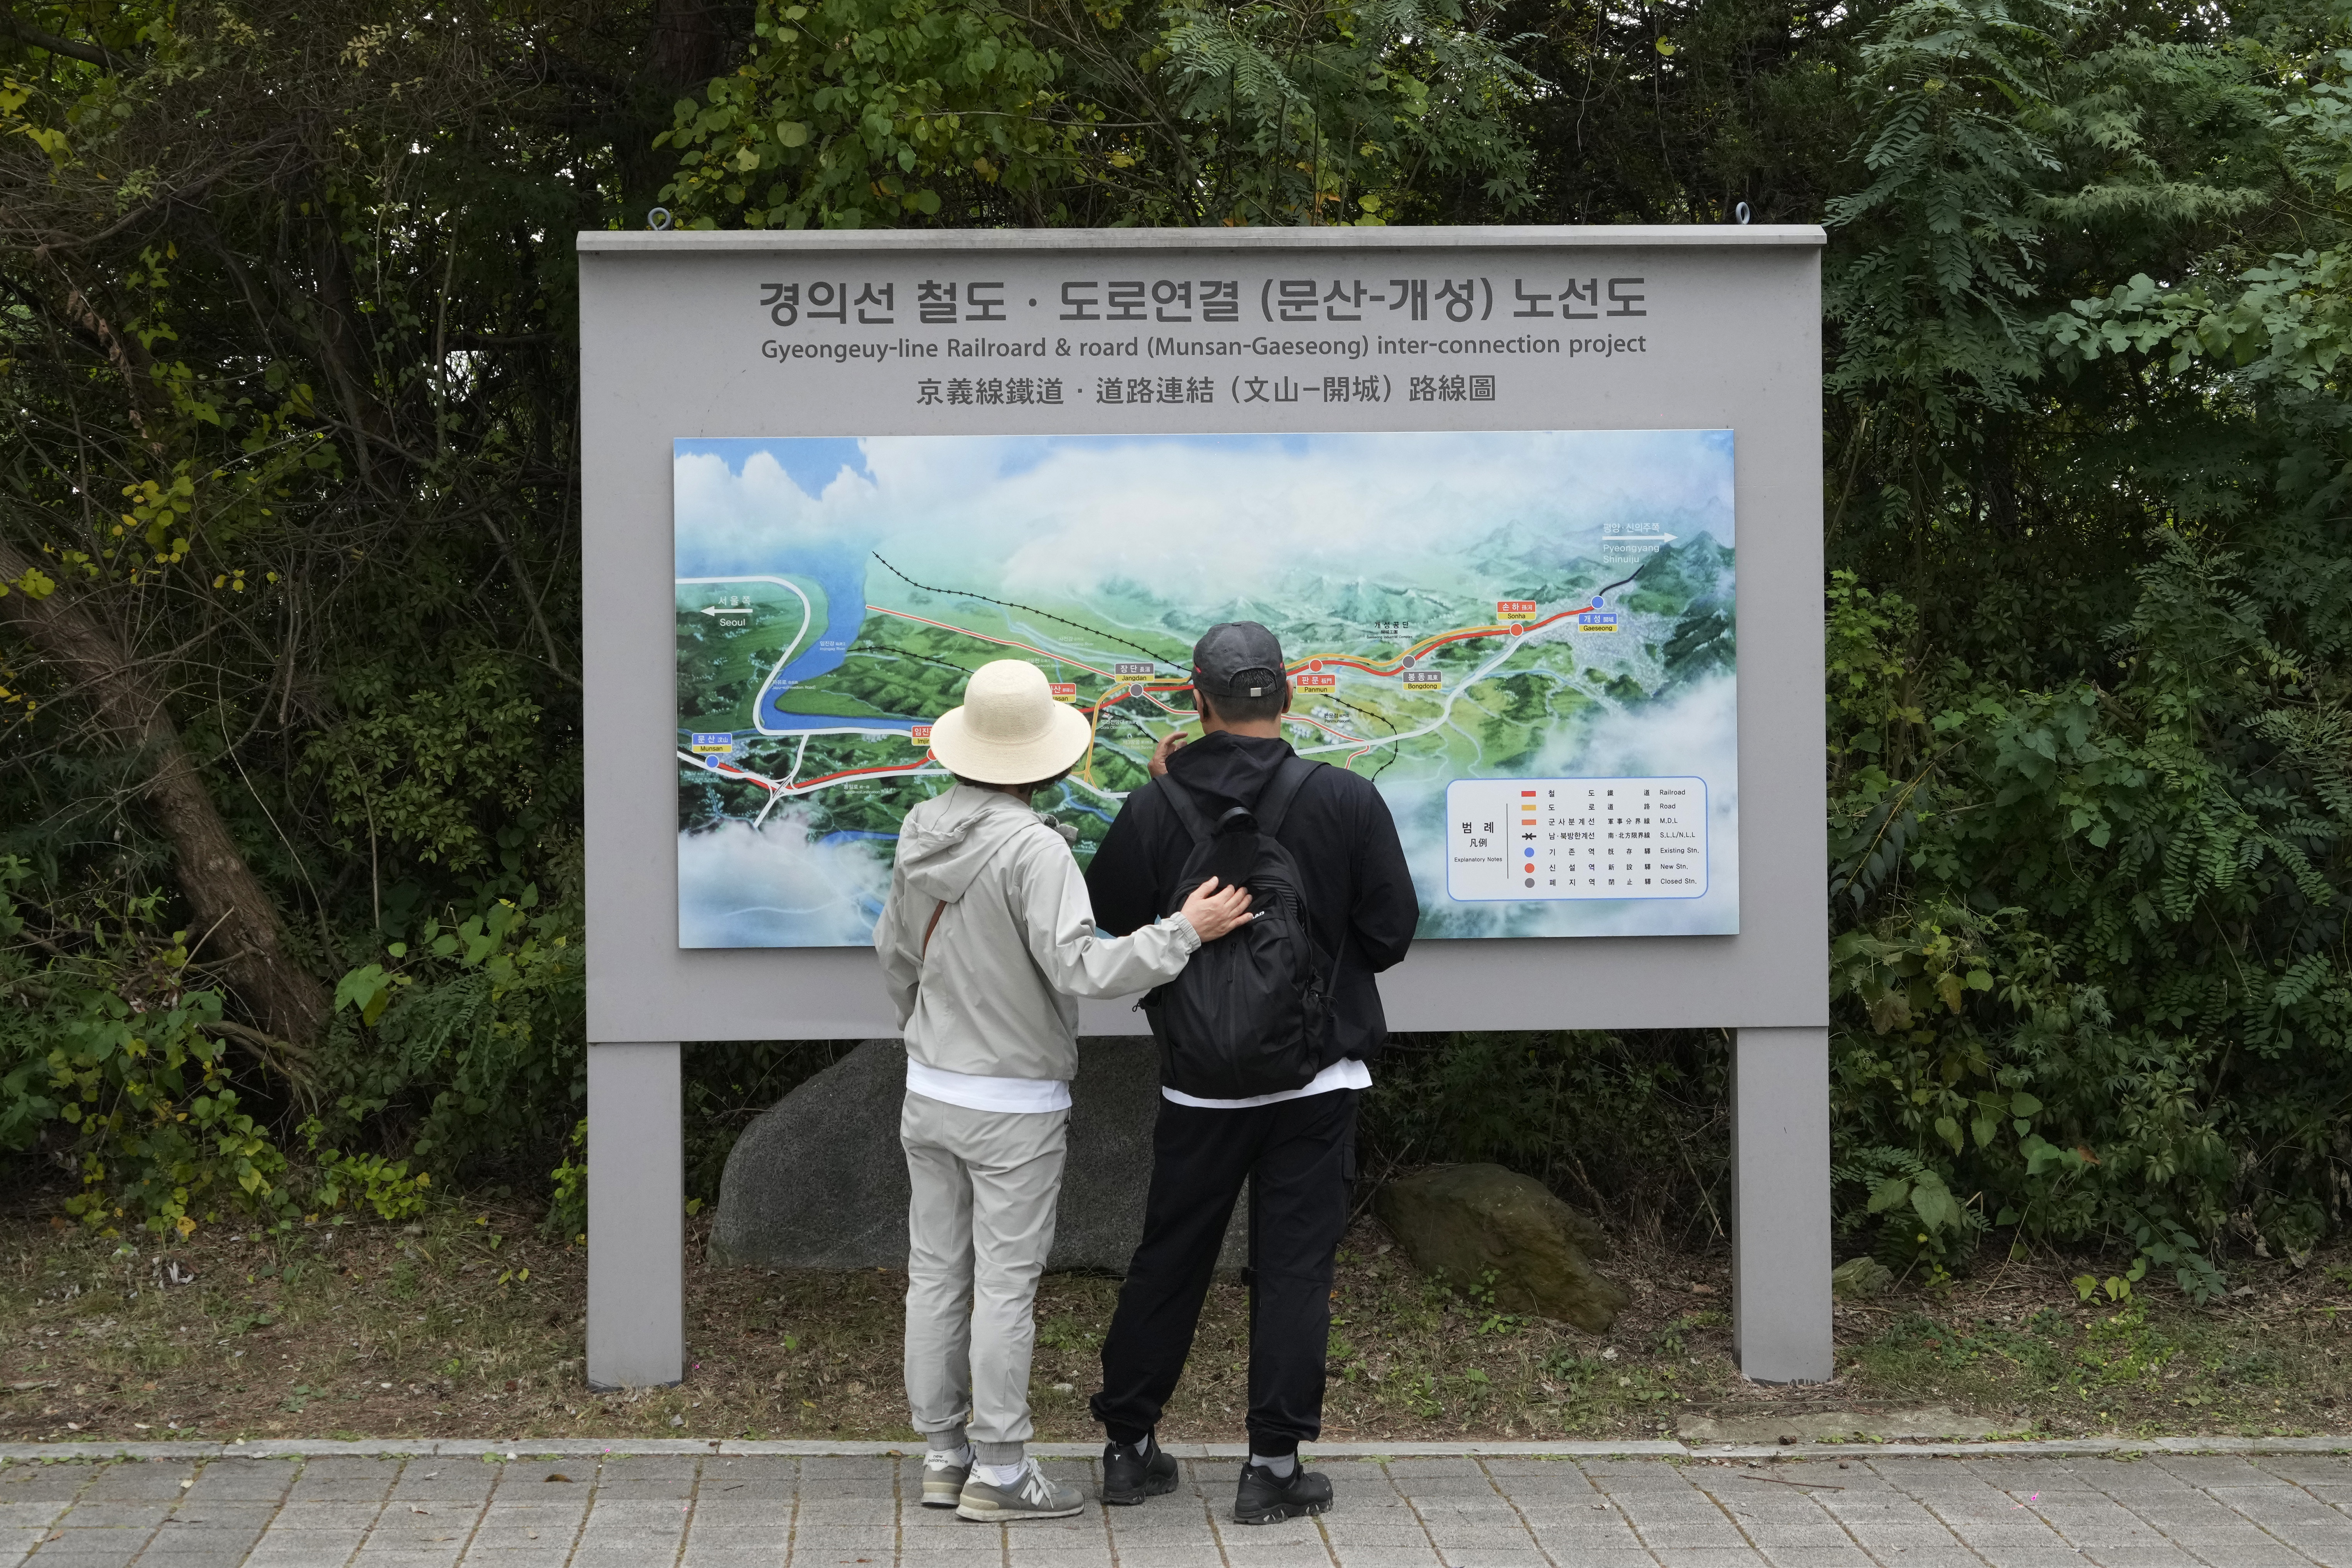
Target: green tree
{"type": "Point", "coordinates": [853, 112]}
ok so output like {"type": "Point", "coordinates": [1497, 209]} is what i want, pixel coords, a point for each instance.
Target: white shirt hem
{"type": "Point", "coordinates": [1345, 1073]}
{"type": "Point", "coordinates": [976, 1091]}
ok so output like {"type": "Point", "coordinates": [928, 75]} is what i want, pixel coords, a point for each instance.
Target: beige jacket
{"type": "Point", "coordinates": [1015, 944]}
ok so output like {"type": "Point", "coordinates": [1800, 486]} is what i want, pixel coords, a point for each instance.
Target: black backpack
{"type": "Point", "coordinates": [1251, 1014]}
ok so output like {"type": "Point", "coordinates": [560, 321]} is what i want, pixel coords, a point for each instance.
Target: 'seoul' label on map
{"type": "Point", "coordinates": [1522, 840]}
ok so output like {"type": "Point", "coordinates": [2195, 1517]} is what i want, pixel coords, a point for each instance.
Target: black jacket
{"type": "Point", "coordinates": [1338, 829]}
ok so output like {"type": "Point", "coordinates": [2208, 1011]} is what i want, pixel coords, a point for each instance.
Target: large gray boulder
{"type": "Point", "coordinates": [1476, 1226]}
{"type": "Point", "coordinates": [819, 1181]}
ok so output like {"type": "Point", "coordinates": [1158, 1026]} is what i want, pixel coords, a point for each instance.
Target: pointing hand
{"type": "Point", "coordinates": [1166, 748]}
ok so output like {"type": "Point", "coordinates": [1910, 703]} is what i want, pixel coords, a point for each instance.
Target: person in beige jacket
{"type": "Point", "coordinates": [987, 939]}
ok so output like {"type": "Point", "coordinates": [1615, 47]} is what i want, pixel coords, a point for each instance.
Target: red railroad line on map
{"type": "Point", "coordinates": [1120, 688]}
{"type": "Point", "coordinates": [732, 771]}
{"type": "Point", "coordinates": [855, 772]}
{"type": "Point", "coordinates": [1428, 644]}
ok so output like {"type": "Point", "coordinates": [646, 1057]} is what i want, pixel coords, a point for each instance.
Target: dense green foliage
{"type": "Point", "coordinates": [2087, 703]}
{"type": "Point", "coordinates": [287, 524]}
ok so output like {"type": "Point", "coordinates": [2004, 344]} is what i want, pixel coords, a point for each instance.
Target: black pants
{"type": "Point", "coordinates": [1298, 1156]}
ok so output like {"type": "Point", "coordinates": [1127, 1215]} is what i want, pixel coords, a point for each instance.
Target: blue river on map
{"type": "Point", "coordinates": [844, 596]}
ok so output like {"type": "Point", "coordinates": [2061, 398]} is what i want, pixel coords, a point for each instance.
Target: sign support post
{"type": "Point", "coordinates": [1781, 1205]}
{"type": "Point", "coordinates": [636, 1217]}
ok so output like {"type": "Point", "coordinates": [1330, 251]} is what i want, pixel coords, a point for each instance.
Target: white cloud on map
{"type": "Point", "coordinates": [728, 519]}
{"type": "Point", "coordinates": [1200, 518]}
{"type": "Point", "coordinates": [775, 887]}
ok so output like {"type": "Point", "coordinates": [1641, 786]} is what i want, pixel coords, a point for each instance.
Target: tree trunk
{"type": "Point", "coordinates": [225, 897]}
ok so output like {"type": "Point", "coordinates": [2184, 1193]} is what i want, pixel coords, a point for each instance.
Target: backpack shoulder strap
{"type": "Point", "coordinates": [1188, 810]}
{"type": "Point", "coordinates": [1274, 805]}
{"type": "Point", "coordinates": [937, 911]}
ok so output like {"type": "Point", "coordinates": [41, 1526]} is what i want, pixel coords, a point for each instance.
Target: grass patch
{"type": "Point", "coordinates": [465, 1322]}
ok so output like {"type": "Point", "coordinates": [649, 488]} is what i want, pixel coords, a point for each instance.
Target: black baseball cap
{"type": "Point", "coordinates": [1237, 659]}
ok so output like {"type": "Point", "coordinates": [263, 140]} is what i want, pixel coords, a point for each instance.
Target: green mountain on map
{"type": "Point", "coordinates": [1499, 703]}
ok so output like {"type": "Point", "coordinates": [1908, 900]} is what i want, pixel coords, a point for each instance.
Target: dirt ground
{"type": "Point", "coordinates": [469, 1324]}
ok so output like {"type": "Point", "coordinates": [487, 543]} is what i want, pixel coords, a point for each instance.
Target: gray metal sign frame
{"type": "Point", "coordinates": [1698, 327]}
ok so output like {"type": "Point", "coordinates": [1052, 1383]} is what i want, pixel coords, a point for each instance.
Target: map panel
{"type": "Point", "coordinates": [1526, 641]}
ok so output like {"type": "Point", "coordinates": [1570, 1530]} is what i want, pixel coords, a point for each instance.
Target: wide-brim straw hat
{"type": "Point", "coordinates": [1010, 731]}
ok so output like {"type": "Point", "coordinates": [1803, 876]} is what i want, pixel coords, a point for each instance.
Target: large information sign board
{"type": "Point", "coordinates": [1468, 615]}
{"type": "Point", "coordinates": [1503, 493]}
{"type": "Point", "coordinates": [1536, 512]}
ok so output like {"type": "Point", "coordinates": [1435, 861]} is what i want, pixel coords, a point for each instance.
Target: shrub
{"type": "Point", "coordinates": [107, 1035]}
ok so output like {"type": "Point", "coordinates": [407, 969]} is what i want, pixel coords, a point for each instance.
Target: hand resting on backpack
{"type": "Point", "coordinates": [1213, 914]}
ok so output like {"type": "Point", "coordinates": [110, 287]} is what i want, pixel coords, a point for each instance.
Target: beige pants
{"type": "Point", "coordinates": [979, 1225]}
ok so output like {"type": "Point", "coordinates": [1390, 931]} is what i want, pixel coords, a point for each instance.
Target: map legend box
{"type": "Point", "coordinates": [1527, 839]}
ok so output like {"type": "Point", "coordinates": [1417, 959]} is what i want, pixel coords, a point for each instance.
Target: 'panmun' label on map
{"type": "Point", "coordinates": [1576, 838]}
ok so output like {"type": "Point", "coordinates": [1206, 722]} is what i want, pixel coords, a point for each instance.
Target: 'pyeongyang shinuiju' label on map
{"type": "Point", "coordinates": [1576, 838]}
{"type": "Point", "coordinates": [1464, 615]}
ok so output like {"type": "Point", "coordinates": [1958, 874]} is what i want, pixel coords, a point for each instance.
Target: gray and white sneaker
{"type": "Point", "coordinates": [1031, 1497]}
{"type": "Point", "coordinates": [943, 1478]}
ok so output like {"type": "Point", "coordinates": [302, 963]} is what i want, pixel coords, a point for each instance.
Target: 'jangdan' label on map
{"type": "Point", "coordinates": [1575, 839]}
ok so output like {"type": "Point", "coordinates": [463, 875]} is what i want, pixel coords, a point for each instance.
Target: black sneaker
{"type": "Point", "coordinates": [1132, 1473]}
{"type": "Point", "coordinates": [1265, 1498]}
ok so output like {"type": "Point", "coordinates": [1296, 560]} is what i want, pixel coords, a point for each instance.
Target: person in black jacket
{"type": "Point", "coordinates": [1296, 1149]}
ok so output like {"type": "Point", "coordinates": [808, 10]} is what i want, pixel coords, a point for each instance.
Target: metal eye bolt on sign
{"type": "Point", "coordinates": [1536, 512]}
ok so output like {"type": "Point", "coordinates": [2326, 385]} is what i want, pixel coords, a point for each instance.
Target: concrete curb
{"type": "Point", "coordinates": [524, 1449]}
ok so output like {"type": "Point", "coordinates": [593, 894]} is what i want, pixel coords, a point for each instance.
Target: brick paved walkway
{"type": "Point", "coordinates": [716, 1511]}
